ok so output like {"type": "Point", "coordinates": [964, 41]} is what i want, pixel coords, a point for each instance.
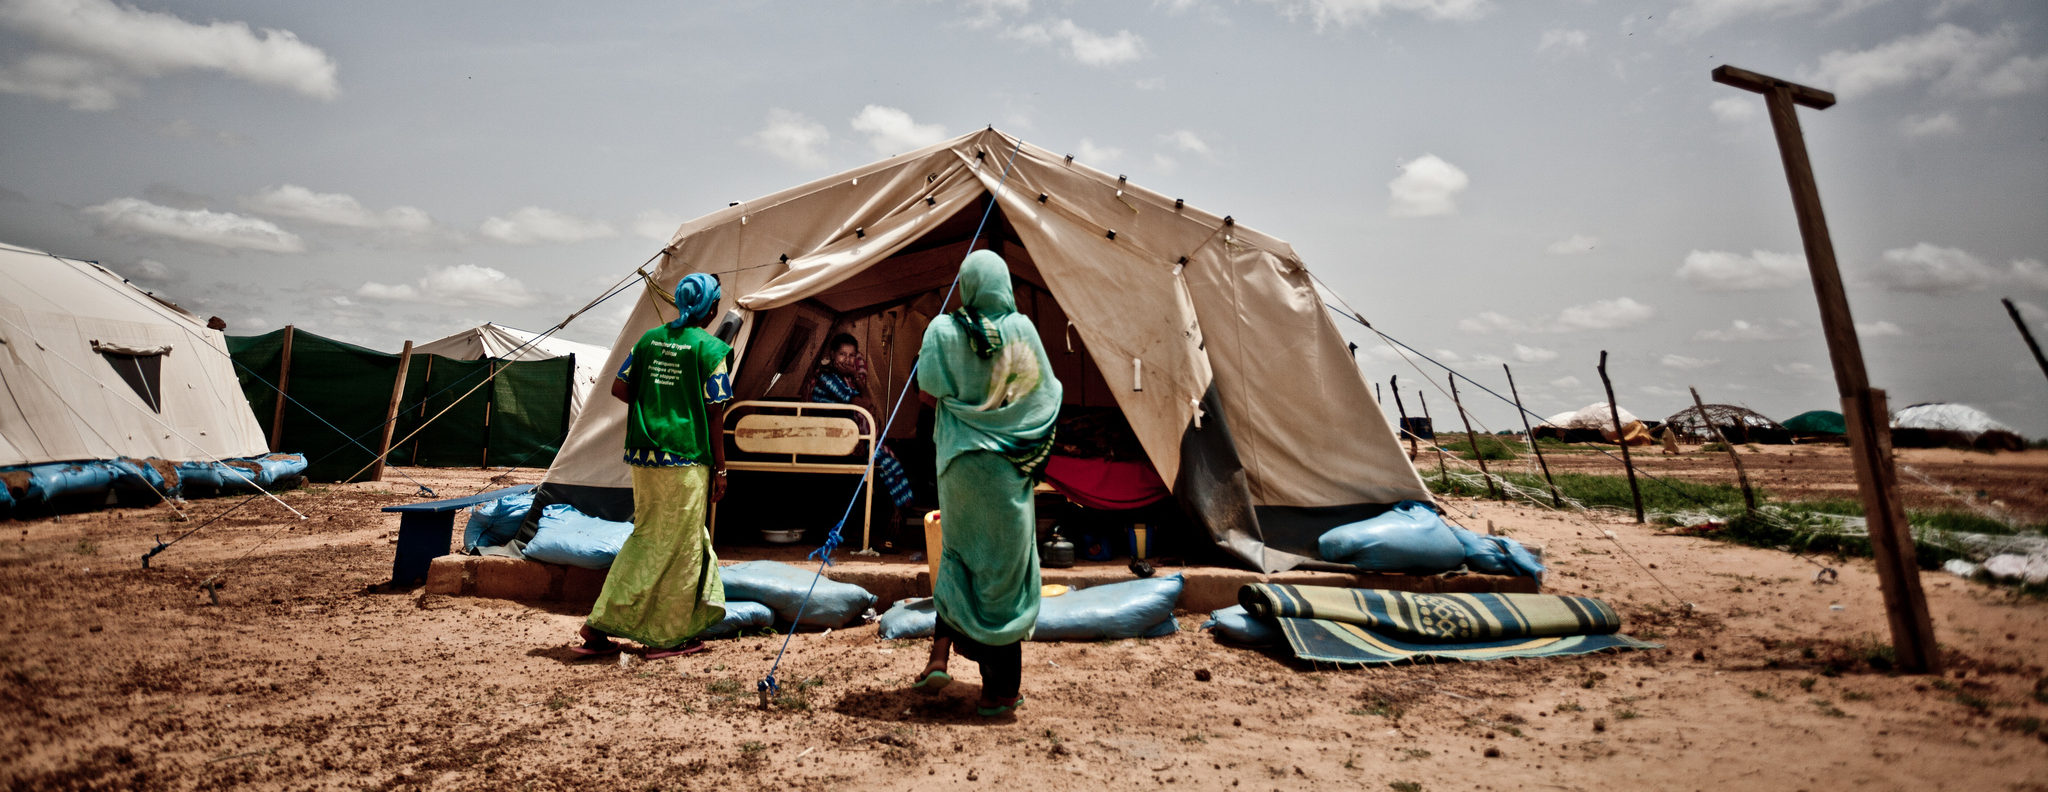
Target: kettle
{"type": "Point", "coordinates": [1056, 553]}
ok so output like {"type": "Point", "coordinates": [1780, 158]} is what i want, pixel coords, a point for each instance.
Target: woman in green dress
{"type": "Point", "coordinates": [663, 588]}
{"type": "Point", "coordinates": [986, 370]}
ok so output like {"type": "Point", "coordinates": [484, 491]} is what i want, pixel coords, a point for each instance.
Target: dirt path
{"type": "Point", "coordinates": [123, 678]}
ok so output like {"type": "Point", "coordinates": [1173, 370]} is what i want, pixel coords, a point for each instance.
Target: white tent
{"type": "Point", "coordinates": [493, 341]}
{"type": "Point", "coordinates": [1208, 336]}
{"type": "Point", "coordinates": [1950, 417]}
{"type": "Point", "coordinates": [1592, 416]}
{"type": "Point", "coordinates": [95, 368]}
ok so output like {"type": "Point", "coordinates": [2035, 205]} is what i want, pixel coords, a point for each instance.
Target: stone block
{"type": "Point", "coordinates": [511, 578]}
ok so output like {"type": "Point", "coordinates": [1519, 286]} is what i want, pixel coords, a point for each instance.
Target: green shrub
{"type": "Point", "coordinates": [1490, 448]}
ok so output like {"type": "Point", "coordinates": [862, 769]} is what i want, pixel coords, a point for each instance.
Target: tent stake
{"type": "Point", "coordinates": [1555, 499]}
{"type": "Point", "coordinates": [1621, 438]}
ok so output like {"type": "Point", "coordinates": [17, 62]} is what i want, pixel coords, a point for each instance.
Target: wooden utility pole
{"type": "Point", "coordinates": [391, 412]}
{"type": "Point", "coordinates": [1442, 474]}
{"type": "Point", "coordinates": [1863, 407]}
{"type": "Point", "coordinates": [1473, 440]}
{"type": "Point", "coordinates": [1748, 495]}
{"type": "Point", "coordinates": [1555, 499]}
{"type": "Point", "coordinates": [1621, 438]}
{"type": "Point", "coordinates": [2025, 333]}
{"type": "Point", "coordinates": [1395, 383]}
{"type": "Point", "coordinates": [284, 385]}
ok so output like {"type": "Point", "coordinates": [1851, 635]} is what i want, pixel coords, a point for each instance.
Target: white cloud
{"type": "Point", "coordinates": [1951, 59]}
{"type": "Point", "coordinates": [1082, 45]}
{"type": "Point", "coordinates": [2028, 274]}
{"type": "Point", "coordinates": [1716, 270]}
{"type": "Point", "coordinates": [656, 225]}
{"type": "Point", "coordinates": [336, 209]}
{"type": "Point", "coordinates": [97, 53]}
{"type": "Point", "coordinates": [892, 131]}
{"type": "Point", "coordinates": [1683, 363]}
{"type": "Point", "coordinates": [791, 137]}
{"type": "Point", "coordinates": [186, 129]}
{"type": "Point", "coordinates": [1698, 16]}
{"type": "Point", "coordinates": [154, 271]}
{"type": "Point", "coordinates": [533, 225]}
{"type": "Point", "coordinates": [1095, 156]}
{"type": "Point", "coordinates": [1529, 354]}
{"type": "Point", "coordinates": [1928, 269]}
{"type": "Point", "coordinates": [1490, 322]}
{"type": "Point", "coordinates": [1576, 243]}
{"type": "Point", "coordinates": [1930, 126]}
{"type": "Point", "coordinates": [1736, 109]}
{"type": "Point", "coordinates": [1796, 370]}
{"type": "Point", "coordinates": [1741, 330]}
{"type": "Point", "coordinates": [220, 229]}
{"type": "Point", "coordinates": [1563, 42]}
{"type": "Point", "coordinates": [1328, 14]}
{"type": "Point", "coordinates": [1599, 315]}
{"type": "Point", "coordinates": [1185, 141]}
{"type": "Point", "coordinates": [1612, 314]}
{"type": "Point", "coordinates": [1565, 382]}
{"type": "Point", "coordinates": [1427, 186]}
{"type": "Point", "coordinates": [460, 285]}
{"type": "Point", "coordinates": [989, 13]}
{"type": "Point", "coordinates": [1878, 329]}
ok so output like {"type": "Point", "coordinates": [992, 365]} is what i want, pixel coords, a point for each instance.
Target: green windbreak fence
{"type": "Point", "coordinates": [341, 391]}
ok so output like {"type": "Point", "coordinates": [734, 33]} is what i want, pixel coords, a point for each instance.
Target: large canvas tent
{"type": "Point", "coordinates": [493, 341]}
{"type": "Point", "coordinates": [340, 393]}
{"type": "Point", "coordinates": [1208, 337]}
{"type": "Point", "coordinates": [94, 368]}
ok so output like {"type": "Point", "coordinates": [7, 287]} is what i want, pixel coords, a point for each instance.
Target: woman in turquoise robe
{"type": "Point", "coordinates": [996, 397]}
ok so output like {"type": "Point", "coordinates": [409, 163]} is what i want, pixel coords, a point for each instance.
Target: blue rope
{"type": "Point", "coordinates": [823, 554]}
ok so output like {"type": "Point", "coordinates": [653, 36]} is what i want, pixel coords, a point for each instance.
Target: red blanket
{"type": "Point", "coordinates": [1105, 483]}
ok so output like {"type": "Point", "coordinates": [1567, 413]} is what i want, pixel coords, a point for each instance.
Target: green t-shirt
{"type": "Point", "coordinates": [670, 377]}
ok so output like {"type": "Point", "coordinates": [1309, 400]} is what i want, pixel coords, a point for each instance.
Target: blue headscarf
{"type": "Point", "coordinates": [696, 295]}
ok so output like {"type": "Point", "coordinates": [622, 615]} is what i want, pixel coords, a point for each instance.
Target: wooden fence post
{"type": "Point", "coordinates": [2025, 333]}
{"type": "Point", "coordinates": [284, 389]}
{"type": "Point", "coordinates": [1748, 495]}
{"type": "Point", "coordinates": [1555, 499]}
{"type": "Point", "coordinates": [1442, 474]}
{"type": "Point", "coordinates": [1395, 383]}
{"type": "Point", "coordinates": [1863, 407]}
{"type": "Point", "coordinates": [1473, 440]}
{"type": "Point", "coordinates": [1621, 438]}
{"type": "Point", "coordinates": [391, 412]}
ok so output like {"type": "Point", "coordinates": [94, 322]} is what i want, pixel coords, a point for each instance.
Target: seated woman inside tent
{"type": "Point", "coordinates": [842, 378]}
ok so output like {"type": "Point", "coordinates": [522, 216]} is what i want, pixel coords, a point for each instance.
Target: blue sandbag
{"type": "Point", "coordinates": [1481, 554]}
{"type": "Point", "coordinates": [1407, 538]}
{"type": "Point", "coordinates": [199, 476]}
{"type": "Point", "coordinates": [740, 616]}
{"type": "Point", "coordinates": [279, 467]}
{"type": "Point", "coordinates": [6, 501]}
{"type": "Point", "coordinates": [1235, 625]}
{"type": "Point", "coordinates": [55, 480]}
{"type": "Point", "coordinates": [911, 618]}
{"type": "Point", "coordinates": [1131, 609]}
{"type": "Point", "coordinates": [1520, 560]}
{"type": "Point", "coordinates": [781, 587]}
{"type": "Point", "coordinates": [494, 523]}
{"type": "Point", "coordinates": [570, 537]}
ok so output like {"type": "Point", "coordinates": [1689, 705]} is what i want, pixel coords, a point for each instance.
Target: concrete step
{"type": "Point", "coordinates": [890, 578]}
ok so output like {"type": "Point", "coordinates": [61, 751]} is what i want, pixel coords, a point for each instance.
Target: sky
{"type": "Point", "coordinates": [1526, 183]}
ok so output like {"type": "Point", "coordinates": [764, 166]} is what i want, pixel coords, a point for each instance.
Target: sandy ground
{"type": "Point", "coordinates": [303, 677]}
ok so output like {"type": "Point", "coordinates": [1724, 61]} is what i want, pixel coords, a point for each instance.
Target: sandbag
{"type": "Point", "coordinates": [570, 537]}
{"type": "Point", "coordinates": [740, 616]}
{"type": "Point", "coordinates": [911, 618]}
{"type": "Point", "coordinates": [50, 481]}
{"type": "Point", "coordinates": [1407, 538]}
{"type": "Point", "coordinates": [274, 468]}
{"type": "Point", "coordinates": [1481, 554]}
{"type": "Point", "coordinates": [1520, 560]}
{"type": "Point", "coordinates": [1235, 625]}
{"type": "Point", "coordinates": [1131, 609]}
{"type": "Point", "coordinates": [782, 587]}
{"type": "Point", "coordinates": [494, 523]}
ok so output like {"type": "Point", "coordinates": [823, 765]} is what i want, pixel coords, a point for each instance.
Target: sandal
{"type": "Point", "coordinates": [933, 680]}
{"type": "Point", "coordinates": [690, 647]}
{"type": "Point", "coordinates": [595, 644]}
{"type": "Point", "coordinates": [1005, 709]}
